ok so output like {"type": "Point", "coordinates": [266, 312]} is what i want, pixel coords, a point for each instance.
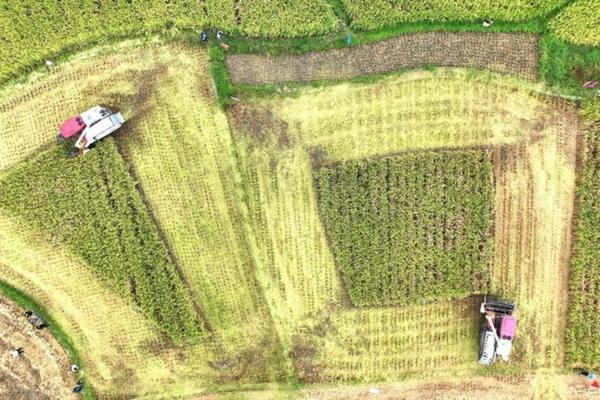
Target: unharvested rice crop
{"type": "Point", "coordinates": [583, 338]}
{"type": "Point", "coordinates": [438, 339]}
{"type": "Point", "coordinates": [369, 14]}
{"type": "Point", "coordinates": [410, 228]}
{"type": "Point", "coordinates": [579, 23]}
{"type": "Point", "coordinates": [90, 206]}
{"type": "Point", "coordinates": [32, 30]}
{"type": "Point", "coordinates": [288, 18]}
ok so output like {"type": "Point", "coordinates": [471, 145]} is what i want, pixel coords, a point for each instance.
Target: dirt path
{"type": "Point", "coordinates": [548, 386]}
{"type": "Point", "coordinates": [503, 52]}
{"type": "Point", "coordinates": [42, 371]}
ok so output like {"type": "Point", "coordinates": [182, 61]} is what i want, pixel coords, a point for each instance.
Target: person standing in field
{"type": "Point", "coordinates": [35, 320]}
{"type": "Point", "coordinates": [78, 388]}
{"type": "Point", "coordinates": [49, 65]}
{"type": "Point", "coordinates": [16, 353]}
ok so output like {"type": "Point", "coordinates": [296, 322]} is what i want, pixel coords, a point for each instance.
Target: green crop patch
{"type": "Point", "coordinates": [579, 23]}
{"type": "Point", "coordinates": [91, 206]}
{"type": "Point", "coordinates": [410, 228]}
{"type": "Point", "coordinates": [369, 14]}
{"type": "Point", "coordinates": [583, 337]}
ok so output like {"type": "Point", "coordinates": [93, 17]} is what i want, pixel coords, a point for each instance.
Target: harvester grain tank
{"type": "Point", "coordinates": [497, 331]}
{"type": "Point", "coordinates": [89, 127]}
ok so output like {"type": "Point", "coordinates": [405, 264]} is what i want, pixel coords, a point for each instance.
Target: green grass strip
{"type": "Point", "coordinates": [218, 71]}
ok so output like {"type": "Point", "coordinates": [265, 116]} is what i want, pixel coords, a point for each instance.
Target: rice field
{"type": "Point", "coordinates": [233, 198]}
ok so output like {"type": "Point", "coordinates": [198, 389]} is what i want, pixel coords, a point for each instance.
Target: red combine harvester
{"type": "Point", "coordinates": [89, 127]}
{"type": "Point", "coordinates": [497, 331]}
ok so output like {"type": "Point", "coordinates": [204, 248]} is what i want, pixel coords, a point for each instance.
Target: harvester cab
{"type": "Point", "coordinates": [498, 330]}
{"type": "Point", "coordinates": [88, 127]}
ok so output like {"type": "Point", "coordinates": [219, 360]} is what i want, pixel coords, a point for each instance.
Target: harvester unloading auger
{"type": "Point", "coordinates": [497, 331]}
{"type": "Point", "coordinates": [91, 126]}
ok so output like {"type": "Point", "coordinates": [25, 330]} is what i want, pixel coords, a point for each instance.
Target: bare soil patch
{"type": "Point", "coordinates": [504, 52]}
{"type": "Point", "coordinates": [42, 371]}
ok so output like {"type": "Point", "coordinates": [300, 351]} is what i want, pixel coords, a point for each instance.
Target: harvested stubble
{"type": "Point", "coordinates": [369, 14]}
{"type": "Point", "coordinates": [503, 52]}
{"type": "Point", "coordinates": [432, 110]}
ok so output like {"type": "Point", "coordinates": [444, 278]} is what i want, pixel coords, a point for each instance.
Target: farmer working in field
{"type": "Point", "coordinates": [35, 320]}
{"type": "Point", "coordinates": [16, 352]}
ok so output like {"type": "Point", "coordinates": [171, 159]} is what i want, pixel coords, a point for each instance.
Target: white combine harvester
{"type": "Point", "coordinates": [497, 331]}
{"type": "Point", "coordinates": [91, 126]}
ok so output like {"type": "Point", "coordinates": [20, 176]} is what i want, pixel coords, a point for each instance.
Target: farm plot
{"type": "Point", "coordinates": [109, 76]}
{"type": "Point", "coordinates": [366, 14]}
{"type": "Point", "coordinates": [369, 345]}
{"type": "Point", "coordinates": [410, 228]}
{"type": "Point", "coordinates": [431, 110]}
{"type": "Point", "coordinates": [534, 206]}
{"type": "Point", "coordinates": [503, 52]}
{"type": "Point", "coordinates": [418, 110]}
{"type": "Point", "coordinates": [242, 346]}
{"type": "Point", "coordinates": [293, 260]}
{"type": "Point", "coordinates": [182, 156]}
{"type": "Point", "coordinates": [90, 206]}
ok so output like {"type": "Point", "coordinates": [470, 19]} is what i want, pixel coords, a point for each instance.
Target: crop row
{"type": "Point", "coordinates": [31, 30]}
{"type": "Point", "coordinates": [369, 14]}
{"type": "Point", "coordinates": [583, 337]}
{"type": "Point", "coordinates": [90, 205]}
{"type": "Point", "coordinates": [579, 23]}
{"type": "Point", "coordinates": [410, 228]}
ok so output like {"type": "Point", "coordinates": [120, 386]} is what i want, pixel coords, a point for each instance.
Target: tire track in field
{"type": "Point", "coordinates": [503, 52]}
{"type": "Point", "coordinates": [535, 182]}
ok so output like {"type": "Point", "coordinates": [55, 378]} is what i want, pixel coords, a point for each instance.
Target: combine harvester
{"type": "Point", "coordinates": [91, 126]}
{"type": "Point", "coordinates": [497, 331]}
